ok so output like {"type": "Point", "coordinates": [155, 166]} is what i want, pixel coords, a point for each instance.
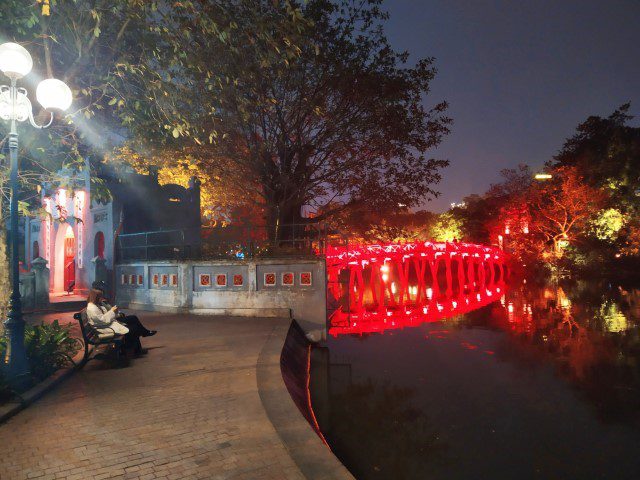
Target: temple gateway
{"type": "Point", "coordinates": [77, 240]}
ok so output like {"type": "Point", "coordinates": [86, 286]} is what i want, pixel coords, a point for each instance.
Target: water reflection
{"type": "Point", "coordinates": [527, 381]}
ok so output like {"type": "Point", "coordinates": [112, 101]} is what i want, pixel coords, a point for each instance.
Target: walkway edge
{"type": "Point", "coordinates": [36, 392]}
{"type": "Point", "coordinates": [312, 457]}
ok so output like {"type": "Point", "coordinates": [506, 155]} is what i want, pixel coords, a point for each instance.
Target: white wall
{"type": "Point", "coordinates": [305, 303]}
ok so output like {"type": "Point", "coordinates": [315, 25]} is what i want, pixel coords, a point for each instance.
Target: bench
{"type": "Point", "coordinates": [91, 336]}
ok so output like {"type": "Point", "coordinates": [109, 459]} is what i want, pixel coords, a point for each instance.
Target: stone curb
{"type": "Point", "coordinates": [34, 393]}
{"type": "Point", "coordinates": [314, 459]}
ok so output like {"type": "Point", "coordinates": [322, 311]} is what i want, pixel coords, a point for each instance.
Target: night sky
{"type": "Point", "coordinates": [519, 76]}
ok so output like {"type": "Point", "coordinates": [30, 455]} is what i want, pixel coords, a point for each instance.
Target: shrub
{"type": "Point", "coordinates": [49, 346]}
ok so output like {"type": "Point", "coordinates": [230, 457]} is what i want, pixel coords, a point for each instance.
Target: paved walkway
{"type": "Point", "coordinates": [190, 409]}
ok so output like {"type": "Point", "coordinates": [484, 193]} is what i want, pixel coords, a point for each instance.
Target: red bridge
{"type": "Point", "coordinates": [378, 287]}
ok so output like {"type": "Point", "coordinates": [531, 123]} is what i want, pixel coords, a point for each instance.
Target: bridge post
{"type": "Point", "coordinates": [492, 273]}
{"type": "Point", "coordinates": [435, 287]}
{"type": "Point", "coordinates": [404, 281]}
{"type": "Point", "coordinates": [481, 267]}
{"type": "Point", "coordinates": [375, 274]}
{"type": "Point", "coordinates": [471, 273]}
{"type": "Point", "coordinates": [421, 268]}
{"type": "Point", "coordinates": [461, 278]}
{"type": "Point", "coordinates": [449, 274]}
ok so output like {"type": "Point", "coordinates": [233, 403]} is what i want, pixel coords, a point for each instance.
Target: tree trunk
{"type": "Point", "coordinates": [284, 221]}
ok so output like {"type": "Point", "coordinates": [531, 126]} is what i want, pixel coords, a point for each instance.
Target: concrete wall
{"type": "Point", "coordinates": [274, 287]}
{"type": "Point", "coordinates": [34, 286]}
{"type": "Point", "coordinates": [28, 290]}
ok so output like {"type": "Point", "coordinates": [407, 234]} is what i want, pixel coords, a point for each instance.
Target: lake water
{"type": "Point", "coordinates": [523, 382]}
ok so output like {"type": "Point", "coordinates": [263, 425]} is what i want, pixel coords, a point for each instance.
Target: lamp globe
{"type": "Point", "coordinates": [15, 61]}
{"type": "Point", "coordinates": [54, 94]}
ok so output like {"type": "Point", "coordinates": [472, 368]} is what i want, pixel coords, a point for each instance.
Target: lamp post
{"type": "Point", "coordinates": [15, 106]}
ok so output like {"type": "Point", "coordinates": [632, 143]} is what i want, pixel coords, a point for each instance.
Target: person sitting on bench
{"type": "Point", "coordinates": [102, 315]}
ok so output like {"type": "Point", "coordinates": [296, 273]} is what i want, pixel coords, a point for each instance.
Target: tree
{"type": "Point", "coordinates": [562, 208]}
{"type": "Point", "coordinates": [130, 65]}
{"type": "Point", "coordinates": [607, 153]}
{"type": "Point", "coordinates": [474, 215]}
{"type": "Point", "coordinates": [338, 120]}
{"type": "Point", "coordinates": [447, 228]}
{"type": "Point", "coordinates": [504, 205]}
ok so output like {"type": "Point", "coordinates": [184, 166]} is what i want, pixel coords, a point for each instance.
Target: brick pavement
{"type": "Point", "coordinates": [190, 409]}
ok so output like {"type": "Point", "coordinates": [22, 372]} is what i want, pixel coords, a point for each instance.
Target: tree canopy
{"type": "Point", "coordinates": [307, 102]}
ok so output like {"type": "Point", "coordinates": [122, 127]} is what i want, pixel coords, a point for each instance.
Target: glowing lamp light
{"type": "Point", "coordinates": [429, 293]}
{"type": "Point", "coordinates": [384, 268]}
{"type": "Point", "coordinates": [543, 176]}
{"type": "Point", "coordinates": [15, 60]}
{"type": "Point", "coordinates": [54, 94]}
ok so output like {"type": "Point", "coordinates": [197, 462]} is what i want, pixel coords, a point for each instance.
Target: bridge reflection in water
{"type": "Point", "coordinates": [373, 288]}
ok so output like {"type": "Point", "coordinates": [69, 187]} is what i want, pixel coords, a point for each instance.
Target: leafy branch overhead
{"type": "Point", "coordinates": [306, 102]}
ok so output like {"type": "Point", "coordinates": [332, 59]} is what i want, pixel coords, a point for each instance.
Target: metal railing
{"type": "Point", "coordinates": [235, 241]}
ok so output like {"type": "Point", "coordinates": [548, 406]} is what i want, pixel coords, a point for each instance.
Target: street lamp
{"type": "Point", "coordinates": [15, 106]}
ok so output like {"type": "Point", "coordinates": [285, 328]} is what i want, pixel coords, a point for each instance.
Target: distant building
{"type": "Point", "coordinates": [78, 239]}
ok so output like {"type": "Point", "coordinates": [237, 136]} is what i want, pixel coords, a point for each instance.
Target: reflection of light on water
{"type": "Point", "coordinates": [413, 290]}
{"type": "Point", "coordinates": [385, 277]}
{"type": "Point", "coordinates": [429, 293]}
{"type": "Point", "coordinates": [393, 287]}
{"type": "Point", "coordinates": [614, 319]}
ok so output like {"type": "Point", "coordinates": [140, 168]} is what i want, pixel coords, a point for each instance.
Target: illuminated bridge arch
{"type": "Point", "coordinates": [422, 281]}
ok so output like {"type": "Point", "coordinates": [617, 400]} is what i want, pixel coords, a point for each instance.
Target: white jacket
{"type": "Point", "coordinates": [103, 320]}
